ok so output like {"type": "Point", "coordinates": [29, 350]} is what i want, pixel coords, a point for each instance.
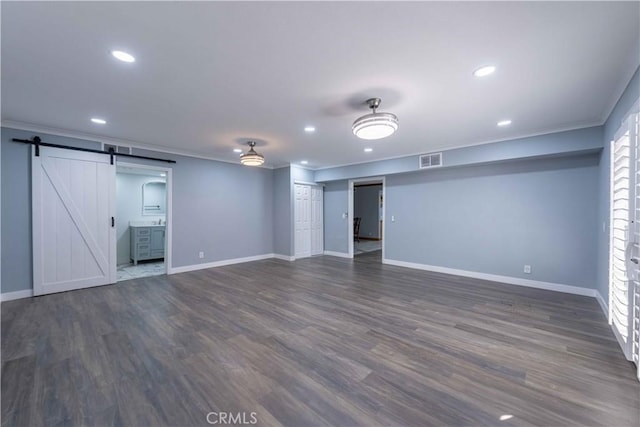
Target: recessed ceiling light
{"type": "Point", "coordinates": [123, 56]}
{"type": "Point", "coordinates": [484, 71]}
{"type": "Point", "coordinates": [368, 150]}
{"type": "Point", "coordinates": [309, 129]}
{"type": "Point", "coordinates": [504, 122]}
{"type": "Point", "coordinates": [304, 162]}
{"type": "Point", "coordinates": [98, 121]}
{"type": "Point", "coordinates": [237, 150]}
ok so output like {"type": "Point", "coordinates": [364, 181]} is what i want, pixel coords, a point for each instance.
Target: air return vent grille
{"type": "Point", "coordinates": [431, 160]}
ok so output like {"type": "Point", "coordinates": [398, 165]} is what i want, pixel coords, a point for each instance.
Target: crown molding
{"type": "Point", "coordinates": [585, 125]}
{"type": "Point", "coordinates": [31, 127]}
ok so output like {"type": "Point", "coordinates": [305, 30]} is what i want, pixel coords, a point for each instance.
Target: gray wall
{"type": "Point", "coordinates": [298, 173]}
{"type": "Point", "coordinates": [491, 213]}
{"type": "Point", "coordinates": [335, 226]}
{"type": "Point", "coordinates": [282, 219]}
{"type": "Point", "coordinates": [496, 218]}
{"type": "Point", "coordinates": [629, 96]}
{"type": "Point", "coordinates": [223, 209]}
{"type": "Point", "coordinates": [365, 206]}
{"type": "Point", "coordinates": [129, 208]}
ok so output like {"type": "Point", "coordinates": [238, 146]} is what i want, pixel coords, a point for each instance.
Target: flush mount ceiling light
{"type": "Point", "coordinates": [375, 125]}
{"type": "Point", "coordinates": [98, 121]}
{"type": "Point", "coordinates": [251, 158]}
{"type": "Point", "coordinates": [237, 150]}
{"type": "Point", "coordinates": [309, 129]}
{"type": "Point", "coordinates": [503, 123]}
{"type": "Point", "coordinates": [123, 56]}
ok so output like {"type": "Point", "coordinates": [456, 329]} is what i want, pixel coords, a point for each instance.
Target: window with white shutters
{"type": "Point", "coordinates": [624, 257]}
{"type": "Point", "coordinates": [620, 238]}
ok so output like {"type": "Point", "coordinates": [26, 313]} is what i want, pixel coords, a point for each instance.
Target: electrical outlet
{"type": "Point", "coordinates": [201, 255]}
{"type": "Point", "coordinates": [527, 268]}
{"type": "Point", "coordinates": [393, 218]}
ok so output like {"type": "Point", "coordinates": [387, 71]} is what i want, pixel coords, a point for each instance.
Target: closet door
{"type": "Point", "coordinates": [73, 205]}
{"type": "Point", "coordinates": [302, 219]}
{"type": "Point", "coordinates": [317, 213]}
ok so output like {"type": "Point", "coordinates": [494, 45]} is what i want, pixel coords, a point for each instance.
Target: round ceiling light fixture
{"type": "Point", "coordinates": [375, 125]}
{"type": "Point", "coordinates": [251, 157]}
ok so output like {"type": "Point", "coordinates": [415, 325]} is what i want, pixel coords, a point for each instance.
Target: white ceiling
{"type": "Point", "coordinates": [210, 76]}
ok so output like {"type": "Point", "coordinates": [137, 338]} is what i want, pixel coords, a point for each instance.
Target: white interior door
{"type": "Point", "coordinates": [624, 258]}
{"type": "Point", "coordinates": [317, 213]}
{"type": "Point", "coordinates": [73, 203]}
{"type": "Point", "coordinates": [302, 217]}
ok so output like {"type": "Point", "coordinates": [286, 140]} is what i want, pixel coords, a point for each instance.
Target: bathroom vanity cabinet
{"type": "Point", "coordinates": [147, 242]}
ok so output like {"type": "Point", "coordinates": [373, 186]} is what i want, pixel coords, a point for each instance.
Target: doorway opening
{"type": "Point", "coordinates": [143, 206]}
{"type": "Point", "coordinates": [366, 215]}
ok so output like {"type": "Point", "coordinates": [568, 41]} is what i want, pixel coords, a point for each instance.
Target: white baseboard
{"type": "Point", "coordinates": [576, 290]}
{"type": "Point", "coordinates": [603, 304]}
{"type": "Point", "coordinates": [338, 254]}
{"type": "Point", "coordinates": [221, 263]}
{"type": "Point", "coordinates": [9, 296]}
{"type": "Point", "coordinates": [558, 287]}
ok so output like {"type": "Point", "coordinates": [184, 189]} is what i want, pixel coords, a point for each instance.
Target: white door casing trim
{"type": "Point", "coordinates": [350, 214]}
{"type": "Point", "coordinates": [169, 214]}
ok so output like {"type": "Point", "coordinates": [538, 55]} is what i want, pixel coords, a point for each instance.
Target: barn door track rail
{"type": "Point", "coordinates": [38, 143]}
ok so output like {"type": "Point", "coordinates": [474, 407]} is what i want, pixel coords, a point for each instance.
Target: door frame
{"type": "Point", "coordinates": [321, 188]}
{"type": "Point", "coordinates": [350, 212]}
{"type": "Point", "coordinates": [168, 216]}
{"type": "Point", "coordinates": [293, 216]}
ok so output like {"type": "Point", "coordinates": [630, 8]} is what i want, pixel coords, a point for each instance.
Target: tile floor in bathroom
{"type": "Point", "coordinates": [143, 269]}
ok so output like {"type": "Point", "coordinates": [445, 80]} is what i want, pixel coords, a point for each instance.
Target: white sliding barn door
{"type": "Point", "coordinates": [317, 213]}
{"type": "Point", "coordinates": [302, 219]}
{"type": "Point", "coordinates": [73, 196]}
{"type": "Point", "coordinates": [624, 258]}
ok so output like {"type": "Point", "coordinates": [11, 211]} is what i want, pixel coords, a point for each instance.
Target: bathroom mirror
{"type": "Point", "coordinates": [154, 198]}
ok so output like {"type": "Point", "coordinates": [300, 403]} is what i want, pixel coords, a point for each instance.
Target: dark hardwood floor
{"type": "Point", "coordinates": [319, 341]}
